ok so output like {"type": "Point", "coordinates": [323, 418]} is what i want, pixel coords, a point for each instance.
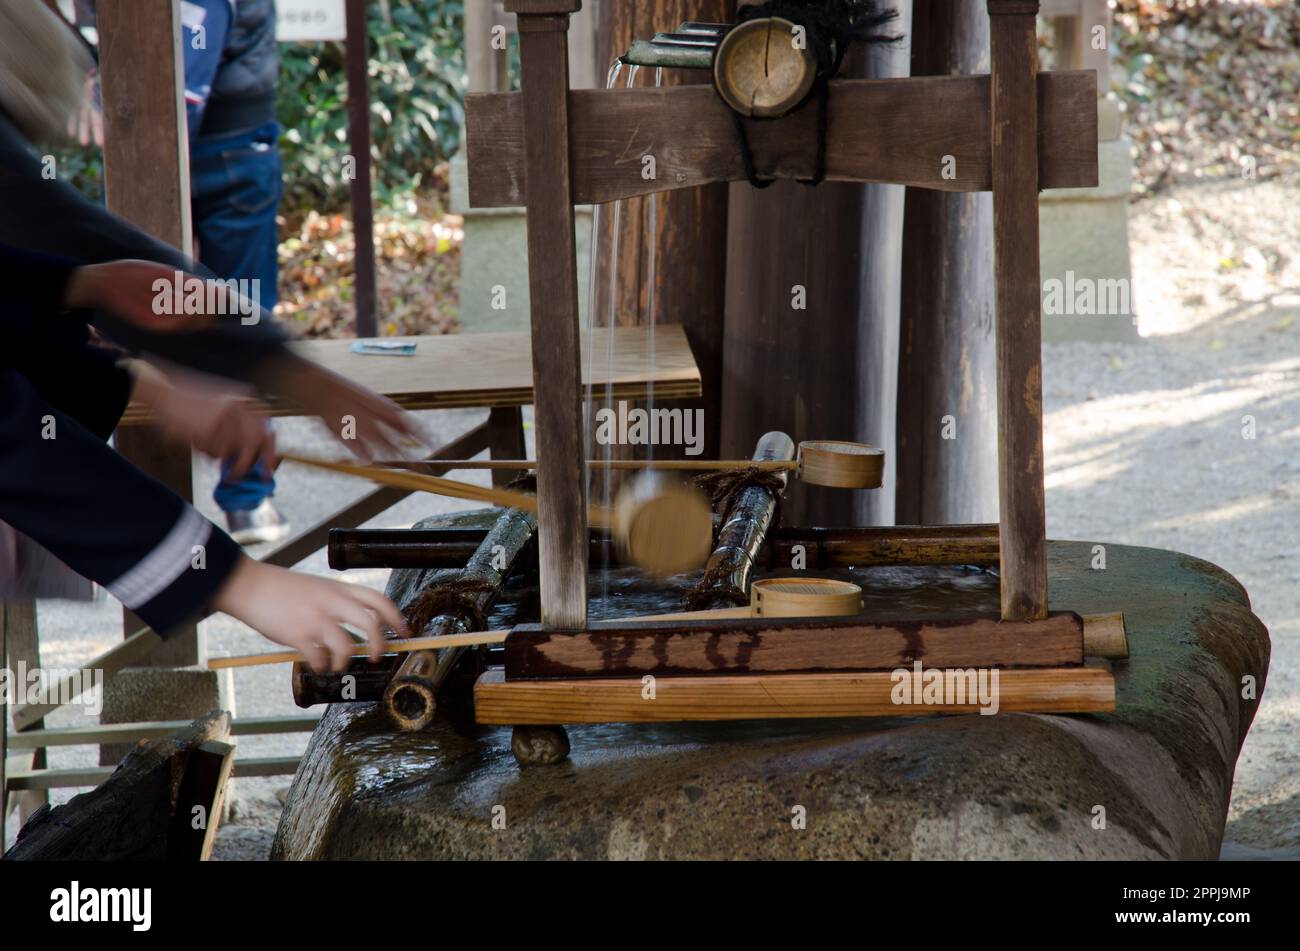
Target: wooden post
{"type": "Point", "coordinates": [553, 291]}
{"type": "Point", "coordinates": [363, 212]}
{"type": "Point", "coordinates": [24, 648]}
{"type": "Point", "coordinates": [1019, 336]}
{"type": "Point", "coordinates": [4, 727]}
{"type": "Point", "coordinates": [147, 180]}
{"type": "Point", "coordinates": [947, 346]}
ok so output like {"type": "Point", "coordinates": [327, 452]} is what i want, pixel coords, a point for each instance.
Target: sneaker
{"type": "Point", "coordinates": [255, 526]}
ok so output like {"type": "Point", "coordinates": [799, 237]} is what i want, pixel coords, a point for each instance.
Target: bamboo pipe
{"type": "Point", "coordinates": [411, 697]}
{"type": "Point", "coordinates": [597, 515]}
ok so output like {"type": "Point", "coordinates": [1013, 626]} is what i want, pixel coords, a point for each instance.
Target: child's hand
{"type": "Point", "coordinates": [214, 421]}
{"type": "Point", "coordinates": [308, 613]}
{"type": "Point", "coordinates": [143, 293]}
{"type": "Point", "coordinates": [380, 429]}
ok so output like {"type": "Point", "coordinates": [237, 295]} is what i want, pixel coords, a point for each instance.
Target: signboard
{"type": "Point", "coordinates": [310, 21]}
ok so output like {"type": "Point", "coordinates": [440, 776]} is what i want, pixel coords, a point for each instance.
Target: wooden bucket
{"type": "Point", "coordinates": [804, 597]}
{"type": "Point", "coordinates": [661, 525]}
{"type": "Point", "coordinates": [841, 465]}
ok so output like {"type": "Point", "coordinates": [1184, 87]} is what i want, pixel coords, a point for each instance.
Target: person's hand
{"type": "Point", "coordinates": [214, 421]}
{"type": "Point", "coordinates": [307, 613]}
{"type": "Point", "coordinates": [369, 425]}
{"type": "Point", "coordinates": [87, 126]}
{"type": "Point", "coordinates": [143, 294]}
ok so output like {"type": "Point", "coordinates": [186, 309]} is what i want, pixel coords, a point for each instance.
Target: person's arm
{"type": "Point", "coordinates": [67, 490]}
{"type": "Point", "coordinates": [47, 216]}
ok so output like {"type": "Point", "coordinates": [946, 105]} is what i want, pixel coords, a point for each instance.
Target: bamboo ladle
{"type": "Point", "coordinates": [660, 526]}
{"type": "Point", "coordinates": [845, 465]}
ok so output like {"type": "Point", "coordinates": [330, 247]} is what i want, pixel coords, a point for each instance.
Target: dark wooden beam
{"type": "Point", "coordinates": [363, 212]}
{"type": "Point", "coordinates": [1016, 145]}
{"type": "Point", "coordinates": [553, 294]}
{"type": "Point", "coordinates": [763, 645]}
{"type": "Point", "coordinates": [821, 547]}
{"type": "Point", "coordinates": [882, 130]}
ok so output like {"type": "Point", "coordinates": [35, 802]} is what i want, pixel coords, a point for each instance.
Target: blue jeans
{"type": "Point", "coordinates": [234, 193]}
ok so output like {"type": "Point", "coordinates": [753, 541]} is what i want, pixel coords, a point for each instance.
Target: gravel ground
{"type": "Point", "coordinates": [1147, 443]}
{"type": "Point", "coordinates": [1145, 446]}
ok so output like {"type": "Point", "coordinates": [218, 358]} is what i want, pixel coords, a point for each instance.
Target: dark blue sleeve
{"type": "Point", "coordinates": [205, 26]}
{"type": "Point", "coordinates": [69, 491]}
{"type": "Point", "coordinates": [50, 217]}
{"type": "Point", "coordinates": [33, 278]}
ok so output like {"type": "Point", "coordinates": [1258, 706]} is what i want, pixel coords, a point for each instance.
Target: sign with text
{"type": "Point", "coordinates": [310, 21]}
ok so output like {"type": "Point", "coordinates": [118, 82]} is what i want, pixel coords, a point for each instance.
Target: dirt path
{"type": "Point", "coordinates": [1151, 443]}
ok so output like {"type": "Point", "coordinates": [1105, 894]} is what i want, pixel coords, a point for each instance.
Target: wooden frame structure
{"type": "Point", "coordinates": [1012, 132]}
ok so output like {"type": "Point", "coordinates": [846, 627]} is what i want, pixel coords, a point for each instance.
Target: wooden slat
{"type": "Point", "coordinates": [156, 729]}
{"type": "Point", "coordinates": [94, 775]}
{"type": "Point", "coordinates": [24, 648]}
{"type": "Point", "coordinates": [1089, 689]}
{"type": "Point", "coordinates": [1022, 505]}
{"type": "Point", "coordinates": [881, 130]}
{"type": "Point", "coordinates": [764, 645]}
{"type": "Point", "coordinates": [456, 371]}
{"type": "Point", "coordinates": [133, 651]}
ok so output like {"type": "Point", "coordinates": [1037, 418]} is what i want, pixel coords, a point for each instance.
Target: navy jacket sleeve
{"type": "Point", "coordinates": [48, 216]}
{"type": "Point", "coordinates": [68, 490]}
{"type": "Point", "coordinates": [53, 350]}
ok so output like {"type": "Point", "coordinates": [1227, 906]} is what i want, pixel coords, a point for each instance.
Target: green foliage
{"type": "Point", "coordinates": [82, 166]}
{"type": "Point", "coordinates": [417, 69]}
{"type": "Point", "coordinates": [417, 80]}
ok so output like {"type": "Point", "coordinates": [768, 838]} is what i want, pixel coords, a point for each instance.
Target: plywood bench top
{"type": "Point", "coordinates": [495, 369]}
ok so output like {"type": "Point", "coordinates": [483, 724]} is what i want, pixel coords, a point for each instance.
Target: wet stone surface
{"type": "Point", "coordinates": [1150, 781]}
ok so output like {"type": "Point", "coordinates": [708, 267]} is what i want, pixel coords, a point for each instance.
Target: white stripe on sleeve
{"type": "Point", "coordinates": [162, 566]}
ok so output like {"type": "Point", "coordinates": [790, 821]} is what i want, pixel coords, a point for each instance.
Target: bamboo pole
{"type": "Point", "coordinates": [399, 646]}
{"type": "Point", "coordinates": [411, 697]}
{"type": "Point", "coordinates": [726, 579]}
{"type": "Point", "coordinates": [509, 498]}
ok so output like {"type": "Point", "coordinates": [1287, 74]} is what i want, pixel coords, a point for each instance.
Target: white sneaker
{"type": "Point", "coordinates": [259, 525]}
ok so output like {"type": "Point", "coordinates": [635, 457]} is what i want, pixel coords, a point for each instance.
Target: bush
{"type": "Point", "coordinates": [417, 69]}
{"type": "Point", "coordinates": [417, 79]}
